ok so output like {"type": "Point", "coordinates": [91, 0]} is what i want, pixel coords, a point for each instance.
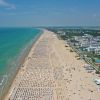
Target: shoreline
{"type": "Point", "coordinates": [54, 70]}
{"type": "Point", "coordinates": [21, 60]}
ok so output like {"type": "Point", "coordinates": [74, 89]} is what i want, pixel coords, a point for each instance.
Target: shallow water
{"type": "Point", "coordinates": [14, 46]}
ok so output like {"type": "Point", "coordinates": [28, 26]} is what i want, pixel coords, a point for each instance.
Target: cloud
{"type": "Point", "coordinates": [5, 4]}
{"type": "Point", "coordinates": [94, 15]}
{"type": "Point", "coordinates": [73, 10]}
{"type": "Point", "coordinates": [18, 13]}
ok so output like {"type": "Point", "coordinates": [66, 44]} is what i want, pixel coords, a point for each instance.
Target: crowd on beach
{"type": "Point", "coordinates": [52, 72]}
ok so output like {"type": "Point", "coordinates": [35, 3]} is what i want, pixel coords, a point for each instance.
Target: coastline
{"type": "Point", "coordinates": [20, 60]}
{"type": "Point", "coordinates": [69, 80]}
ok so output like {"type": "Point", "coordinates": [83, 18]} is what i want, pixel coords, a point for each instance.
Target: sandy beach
{"type": "Point", "coordinates": [52, 72]}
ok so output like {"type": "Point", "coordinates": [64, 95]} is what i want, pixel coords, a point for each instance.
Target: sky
{"type": "Point", "coordinates": [28, 13]}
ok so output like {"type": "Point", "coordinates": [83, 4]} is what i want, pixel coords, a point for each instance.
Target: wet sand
{"type": "Point", "coordinates": [52, 72]}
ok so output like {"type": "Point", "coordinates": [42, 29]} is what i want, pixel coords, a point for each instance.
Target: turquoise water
{"type": "Point", "coordinates": [14, 41]}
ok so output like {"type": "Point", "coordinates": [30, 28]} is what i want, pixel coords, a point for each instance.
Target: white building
{"type": "Point", "coordinates": [94, 49]}
{"type": "Point", "coordinates": [97, 51]}
{"type": "Point", "coordinates": [91, 49]}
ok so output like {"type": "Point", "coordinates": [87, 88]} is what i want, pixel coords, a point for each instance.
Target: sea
{"type": "Point", "coordinates": [15, 44]}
